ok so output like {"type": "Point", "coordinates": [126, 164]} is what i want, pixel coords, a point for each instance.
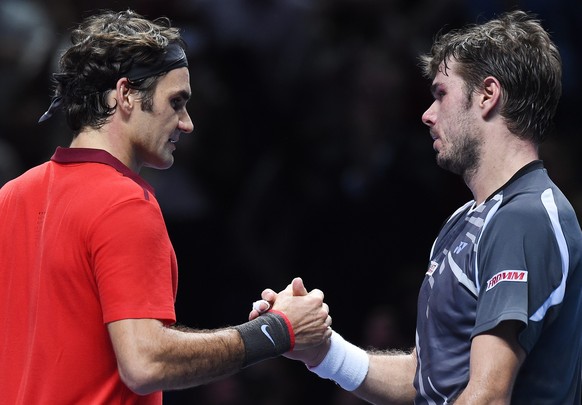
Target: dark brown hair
{"type": "Point", "coordinates": [104, 46]}
{"type": "Point", "coordinates": [518, 52]}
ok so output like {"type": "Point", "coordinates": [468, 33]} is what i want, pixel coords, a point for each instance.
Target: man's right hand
{"type": "Point", "coordinates": [309, 317]}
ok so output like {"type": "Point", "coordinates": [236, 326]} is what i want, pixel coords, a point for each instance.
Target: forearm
{"type": "Point", "coordinates": [390, 378]}
{"type": "Point", "coordinates": [152, 357]}
{"type": "Point", "coordinates": [378, 377]}
{"type": "Point", "coordinates": [188, 358]}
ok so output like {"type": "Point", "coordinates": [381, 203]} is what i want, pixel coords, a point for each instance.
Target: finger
{"type": "Point", "coordinates": [289, 288]}
{"type": "Point", "coordinates": [261, 306]}
{"type": "Point", "coordinates": [269, 295]}
{"type": "Point", "coordinates": [298, 286]}
{"type": "Point", "coordinates": [327, 334]}
{"type": "Point", "coordinates": [317, 292]}
{"type": "Point", "coordinates": [254, 314]}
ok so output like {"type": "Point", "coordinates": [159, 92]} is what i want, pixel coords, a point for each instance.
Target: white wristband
{"type": "Point", "coordinates": [345, 363]}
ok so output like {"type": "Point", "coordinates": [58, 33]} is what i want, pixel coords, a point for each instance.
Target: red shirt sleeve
{"type": "Point", "coordinates": [134, 263]}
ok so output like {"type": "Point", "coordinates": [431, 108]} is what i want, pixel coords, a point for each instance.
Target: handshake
{"type": "Point", "coordinates": [306, 316]}
{"type": "Point", "coordinates": [297, 324]}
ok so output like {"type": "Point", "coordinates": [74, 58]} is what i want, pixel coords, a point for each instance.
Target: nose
{"type": "Point", "coordinates": [185, 123]}
{"type": "Point", "coordinates": [428, 118]}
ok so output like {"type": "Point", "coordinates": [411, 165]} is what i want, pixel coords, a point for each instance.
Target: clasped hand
{"type": "Point", "coordinates": [308, 315]}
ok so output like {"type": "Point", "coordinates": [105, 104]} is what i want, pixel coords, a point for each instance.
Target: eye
{"type": "Point", "coordinates": [177, 103]}
{"type": "Point", "coordinates": [438, 91]}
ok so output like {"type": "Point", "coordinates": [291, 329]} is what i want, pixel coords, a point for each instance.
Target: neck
{"type": "Point", "coordinates": [501, 158]}
{"type": "Point", "coordinates": [105, 139]}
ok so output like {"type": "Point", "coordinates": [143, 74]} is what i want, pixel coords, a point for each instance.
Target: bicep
{"type": "Point", "coordinates": [131, 337]}
{"type": "Point", "coordinates": [133, 341]}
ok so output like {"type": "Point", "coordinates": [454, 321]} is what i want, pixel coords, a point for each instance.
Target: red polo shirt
{"type": "Point", "coordinates": [83, 243]}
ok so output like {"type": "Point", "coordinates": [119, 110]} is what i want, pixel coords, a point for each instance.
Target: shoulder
{"type": "Point", "coordinates": [29, 177]}
{"type": "Point", "coordinates": [19, 191]}
{"type": "Point", "coordinates": [518, 215]}
{"type": "Point", "coordinates": [533, 214]}
{"type": "Point", "coordinates": [101, 182]}
{"type": "Point", "coordinates": [532, 201]}
{"type": "Point", "coordinates": [94, 191]}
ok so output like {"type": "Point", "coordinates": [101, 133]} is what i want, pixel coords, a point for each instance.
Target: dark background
{"type": "Point", "coordinates": [308, 157]}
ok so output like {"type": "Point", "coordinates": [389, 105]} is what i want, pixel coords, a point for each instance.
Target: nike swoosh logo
{"type": "Point", "coordinates": [264, 330]}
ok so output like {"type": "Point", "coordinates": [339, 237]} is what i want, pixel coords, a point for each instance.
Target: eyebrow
{"type": "Point", "coordinates": [184, 94]}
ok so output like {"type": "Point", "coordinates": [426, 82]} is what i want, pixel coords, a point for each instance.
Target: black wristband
{"type": "Point", "coordinates": [265, 337]}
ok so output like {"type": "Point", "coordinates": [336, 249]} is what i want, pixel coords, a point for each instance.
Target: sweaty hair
{"type": "Point", "coordinates": [104, 47]}
{"type": "Point", "coordinates": [518, 52]}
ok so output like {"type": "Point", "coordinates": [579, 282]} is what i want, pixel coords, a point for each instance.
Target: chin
{"type": "Point", "coordinates": [160, 165]}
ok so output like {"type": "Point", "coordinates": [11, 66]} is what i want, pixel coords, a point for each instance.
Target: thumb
{"type": "Point", "coordinates": [298, 287]}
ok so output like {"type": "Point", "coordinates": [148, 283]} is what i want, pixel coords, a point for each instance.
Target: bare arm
{"type": "Point", "coordinates": [495, 361]}
{"type": "Point", "coordinates": [390, 375]}
{"type": "Point", "coordinates": [389, 379]}
{"type": "Point", "coordinates": [154, 357]}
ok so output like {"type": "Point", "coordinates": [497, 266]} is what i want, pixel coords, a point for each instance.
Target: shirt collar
{"type": "Point", "coordinates": [530, 167]}
{"type": "Point", "coordinates": [86, 155]}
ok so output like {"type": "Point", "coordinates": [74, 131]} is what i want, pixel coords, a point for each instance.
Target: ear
{"type": "Point", "coordinates": [490, 96]}
{"type": "Point", "coordinates": [125, 96]}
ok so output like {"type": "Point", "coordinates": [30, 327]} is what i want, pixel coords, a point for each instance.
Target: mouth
{"type": "Point", "coordinates": [435, 139]}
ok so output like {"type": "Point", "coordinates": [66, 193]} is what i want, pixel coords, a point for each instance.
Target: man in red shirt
{"type": "Point", "coordinates": [88, 275]}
